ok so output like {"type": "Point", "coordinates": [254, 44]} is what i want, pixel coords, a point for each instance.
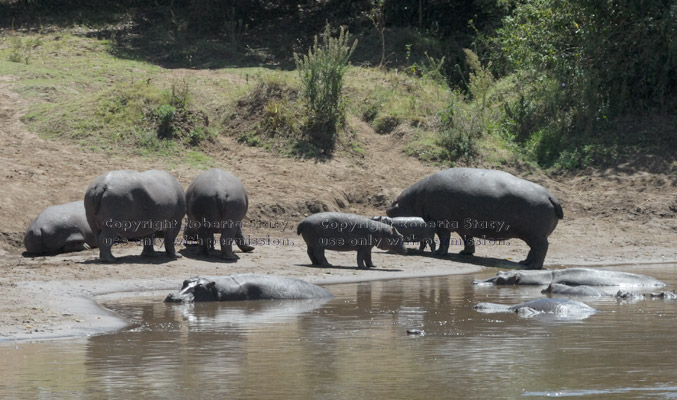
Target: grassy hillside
{"type": "Point", "coordinates": [128, 80]}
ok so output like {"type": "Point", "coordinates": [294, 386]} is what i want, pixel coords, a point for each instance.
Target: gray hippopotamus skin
{"type": "Point", "coordinates": [572, 277]}
{"type": "Point", "coordinates": [347, 232]}
{"type": "Point", "coordinates": [480, 203]}
{"type": "Point", "coordinates": [582, 290]}
{"type": "Point", "coordinates": [635, 296]}
{"type": "Point", "coordinates": [247, 287]}
{"type": "Point", "coordinates": [414, 229]}
{"type": "Point", "coordinates": [60, 229]}
{"type": "Point", "coordinates": [216, 202]}
{"type": "Point", "coordinates": [561, 308]}
{"type": "Point", "coordinates": [129, 204]}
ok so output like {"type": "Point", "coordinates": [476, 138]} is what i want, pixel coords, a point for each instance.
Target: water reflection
{"type": "Point", "coordinates": [356, 346]}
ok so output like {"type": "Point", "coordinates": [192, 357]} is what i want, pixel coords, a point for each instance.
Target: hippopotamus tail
{"type": "Point", "coordinates": [558, 207]}
{"type": "Point", "coordinates": [93, 199]}
{"type": "Point", "coordinates": [299, 229]}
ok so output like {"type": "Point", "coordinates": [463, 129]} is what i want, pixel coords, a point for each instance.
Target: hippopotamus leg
{"type": "Point", "coordinates": [317, 257]}
{"type": "Point", "coordinates": [427, 242]}
{"type": "Point", "coordinates": [421, 246]}
{"type": "Point", "coordinates": [536, 257]}
{"type": "Point", "coordinates": [445, 239]}
{"type": "Point", "coordinates": [106, 239]}
{"type": "Point", "coordinates": [364, 257]}
{"type": "Point", "coordinates": [240, 241]}
{"type": "Point", "coordinates": [148, 250]}
{"type": "Point", "coordinates": [227, 235]}
{"type": "Point", "coordinates": [468, 245]}
{"type": "Point", "coordinates": [170, 236]}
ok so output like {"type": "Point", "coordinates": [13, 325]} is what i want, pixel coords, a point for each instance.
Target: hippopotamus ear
{"type": "Point", "coordinates": [210, 285]}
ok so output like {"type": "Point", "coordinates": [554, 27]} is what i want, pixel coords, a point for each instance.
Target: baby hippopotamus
{"type": "Point", "coordinates": [347, 232]}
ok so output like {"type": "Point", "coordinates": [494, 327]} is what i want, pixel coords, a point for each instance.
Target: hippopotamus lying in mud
{"type": "Point", "coordinates": [480, 203]}
{"type": "Point", "coordinates": [572, 277]}
{"type": "Point", "coordinates": [130, 204]}
{"type": "Point", "coordinates": [216, 202]}
{"type": "Point", "coordinates": [347, 232]}
{"type": "Point", "coordinates": [247, 287]}
{"type": "Point", "coordinates": [60, 229]}
{"type": "Point", "coordinates": [582, 290]}
{"type": "Point", "coordinates": [628, 295]}
{"type": "Point", "coordinates": [559, 308]}
{"type": "Point", "coordinates": [590, 291]}
{"type": "Point", "coordinates": [414, 229]}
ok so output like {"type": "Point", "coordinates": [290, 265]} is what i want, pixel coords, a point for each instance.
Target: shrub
{"type": "Point", "coordinates": [581, 65]}
{"type": "Point", "coordinates": [321, 72]}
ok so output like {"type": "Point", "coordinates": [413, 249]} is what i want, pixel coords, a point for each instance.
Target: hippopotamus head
{"type": "Point", "coordinates": [385, 220]}
{"type": "Point", "coordinates": [395, 244]}
{"type": "Point", "coordinates": [398, 209]}
{"type": "Point", "coordinates": [194, 289]}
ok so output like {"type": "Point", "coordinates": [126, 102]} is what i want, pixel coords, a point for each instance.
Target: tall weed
{"type": "Point", "coordinates": [322, 70]}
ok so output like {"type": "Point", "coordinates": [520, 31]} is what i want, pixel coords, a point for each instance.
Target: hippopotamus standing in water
{"type": "Point", "coordinates": [216, 203]}
{"type": "Point", "coordinates": [347, 232]}
{"type": "Point", "coordinates": [572, 277]}
{"type": "Point", "coordinates": [480, 203]}
{"type": "Point", "coordinates": [247, 287]}
{"type": "Point", "coordinates": [60, 229]}
{"type": "Point", "coordinates": [130, 204]}
{"type": "Point", "coordinates": [559, 308]}
{"type": "Point", "coordinates": [414, 229]}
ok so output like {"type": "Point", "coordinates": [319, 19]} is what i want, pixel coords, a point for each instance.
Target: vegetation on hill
{"type": "Point", "coordinates": [560, 84]}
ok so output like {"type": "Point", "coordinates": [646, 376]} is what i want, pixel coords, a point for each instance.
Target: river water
{"type": "Point", "coordinates": [356, 346]}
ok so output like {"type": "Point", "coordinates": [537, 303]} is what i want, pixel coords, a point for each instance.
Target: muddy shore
{"type": "Point", "coordinates": [57, 297]}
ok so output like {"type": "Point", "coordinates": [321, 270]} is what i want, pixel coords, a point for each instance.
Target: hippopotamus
{"type": "Point", "coordinates": [347, 232]}
{"type": "Point", "coordinates": [247, 287]}
{"type": "Point", "coordinates": [481, 203]}
{"type": "Point", "coordinates": [414, 229]}
{"type": "Point", "coordinates": [566, 290]}
{"type": "Point", "coordinates": [216, 202]}
{"type": "Point", "coordinates": [129, 204]}
{"type": "Point", "coordinates": [629, 295]}
{"type": "Point", "coordinates": [572, 277]}
{"type": "Point", "coordinates": [60, 229]}
{"type": "Point", "coordinates": [560, 308]}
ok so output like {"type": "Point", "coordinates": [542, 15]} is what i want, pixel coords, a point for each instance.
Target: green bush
{"type": "Point", "coordinates": [321, 72]}
{"type": "Point", "coordinates": [579, 66]}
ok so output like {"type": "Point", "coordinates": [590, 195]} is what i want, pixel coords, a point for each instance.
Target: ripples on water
{"type": "Point", "coordinates": [356, 346]}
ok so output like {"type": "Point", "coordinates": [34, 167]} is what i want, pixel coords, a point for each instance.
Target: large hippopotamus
{"type": "Point", "coordinates": [481, 203]}
{"type": "Point", "coordinates": [216, 202]}
{"type": "Point", "coordinates": [129, 204]}
{"type": "Point", "coordinates": [347, 232]}
{"type": "Point", "coordinates": [414, 229]}
{"type": "Point", "coordinates": [572, 277]}
{"type": "Point", "coordinates": [559, 308]}
{"type": "Point", "coordinates": [247, 287]}
{"type": "Point", "coordinates": [60, 229]}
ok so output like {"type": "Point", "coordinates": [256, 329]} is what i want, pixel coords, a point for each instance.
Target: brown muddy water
{"type": "Point", "coordinates": [356, 346]}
